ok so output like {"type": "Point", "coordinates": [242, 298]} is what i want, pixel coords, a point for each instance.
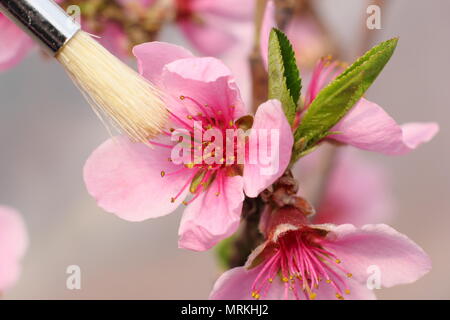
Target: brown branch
{"type": "Point", "coordinates": [257, 70]}
{"type": "Point", "coordinates": [285, 11]}
{"type": "Point", "coordinates": [248, 236]}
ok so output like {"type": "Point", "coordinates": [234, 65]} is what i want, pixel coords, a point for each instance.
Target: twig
{"type": "Point", "coordinates": [257, 70]}
{"type": "Point", "coordinates": [248, 236]}
{"type": "Point", "coordinates": [285, 11]}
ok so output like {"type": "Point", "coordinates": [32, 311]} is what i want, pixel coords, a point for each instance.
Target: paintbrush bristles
{"type": "Point", "coordinates": [113, 88]}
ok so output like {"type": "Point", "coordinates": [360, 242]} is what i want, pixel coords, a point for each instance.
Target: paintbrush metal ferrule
{"type": "Point", "coordinates": [44, 20]}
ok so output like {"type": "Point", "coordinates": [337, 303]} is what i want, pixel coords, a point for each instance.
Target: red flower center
{"type": "Point", "coordinates": [302, 264]}
{"type": "Point", "coordinates": [207, 160]}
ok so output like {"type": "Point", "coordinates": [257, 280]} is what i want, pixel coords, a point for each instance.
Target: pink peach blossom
{"type": "Point", "coordinates": [205, 22]}
{"type": "Point", "coordinates": [137, 182]}
{"type": "Point", "coordinates": [366, 126]}
{"type": "Point", "coordinates": [13, 243]}
{"type": "Point", "coordinates": [302, 261]}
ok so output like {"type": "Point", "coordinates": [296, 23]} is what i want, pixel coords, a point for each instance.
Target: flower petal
{"type": "Point", "coordinates": [13, 244]}
{"type": "Point", "coordinates": [236, 284]}
{"type": "Point", "coordinates": [398, 258]}
{"type": "Point", "coordinates": [367, 126]}
{"type": "Point", "coordinates": [358, 291]}
{"type": "Point", "coordinates": [114, 39]}
{"type": "Point", "coordinates": [257, 174]}
{"type": "Point", "coordinates": [211, 218]}
{"type": "Point", "coordinates": [231, 9]}
{"type": "Point", "coordinates": [416, 133]}
{"type": "Point", "coordinates": [14, 43]}
{"type": "Point", "coordinates": [206, 80]}
{"type": "Point", "coordinates": [209, 37]}
{"type": "Point", "coordinates": [125, 179]}
{"type": "Point", "coordinates": [13, 236]}
{"type": "Point", "coordinates": [153, 56]}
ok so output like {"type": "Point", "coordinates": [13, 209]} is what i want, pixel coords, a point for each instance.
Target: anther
{"type": "Point", "coordinates": [163, 173]}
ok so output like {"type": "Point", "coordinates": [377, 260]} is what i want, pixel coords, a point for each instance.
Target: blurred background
{"type": "Point", "coordinates": [47, 131]}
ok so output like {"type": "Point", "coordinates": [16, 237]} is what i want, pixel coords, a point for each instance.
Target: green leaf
{"type": "Point", "coordinates": [224, 251]}
{"type": "Point", "coordinates": [284, 76]}
{"type": "Point", "coordinates": [334, 101]}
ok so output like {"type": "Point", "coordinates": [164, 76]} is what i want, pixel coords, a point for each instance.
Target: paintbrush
{"type": "Point", "coordinates": [132, 103]}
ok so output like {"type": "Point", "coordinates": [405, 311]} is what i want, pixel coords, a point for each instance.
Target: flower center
{"type": "Point", "coordinates": [210, 160]}
{"type": "Point", "coordinates": [302, 264]}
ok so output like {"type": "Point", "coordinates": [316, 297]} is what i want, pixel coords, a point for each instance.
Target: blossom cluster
{"type": "Point", "coordinates": [309, 249]}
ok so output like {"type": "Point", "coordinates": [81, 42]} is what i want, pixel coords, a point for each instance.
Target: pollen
{"type": "Point", "coordinates": [340, 297]}
{"type": "Point", "coordinates": [256, 295]}
{"type": "Point", "coordinates": [298, 257]}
